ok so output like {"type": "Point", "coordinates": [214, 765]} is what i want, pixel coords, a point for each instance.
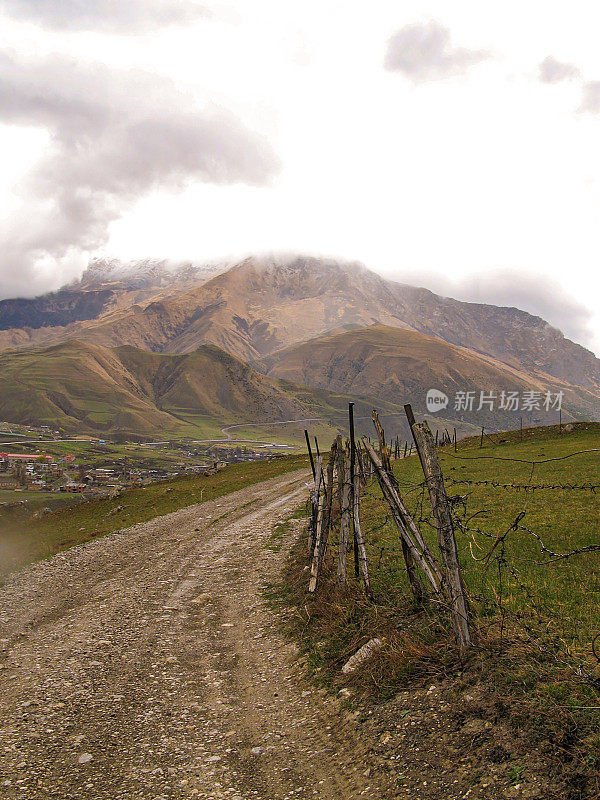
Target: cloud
{"type": "Point", "coordinates": [590, 97]}
{"type": "Point", "coordinates": [114, 137]}
{"type": "Point", "coordinates": [105, 15]}
{"type": "Point", "coordinates": [548, 300]}
{"type": "Point", "coordinates": [553, 71]}
{"type": "Point", "coordinates": [424, 52]}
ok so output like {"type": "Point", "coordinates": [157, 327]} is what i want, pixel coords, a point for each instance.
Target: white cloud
{"type": "Point", "coordinates": [105, 15]}
{"type": "Point", "coordinates": [553, 71]}
{"type": "Point", "coordinates": [425, 52]}
{"type": "Point", "coordinates": [590, 97]}
{"type": "Point", "coordinates": [114, 137]}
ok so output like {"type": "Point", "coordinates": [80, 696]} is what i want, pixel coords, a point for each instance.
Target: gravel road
{"type": "Point", "coordinates": [145, 665]}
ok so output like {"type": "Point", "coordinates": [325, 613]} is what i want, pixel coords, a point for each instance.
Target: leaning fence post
{"type": "Point", "coordinates": [325, 522]}
{"type": "Point", "coordinates": [314, 497]}
{"type": "Point", "coordinates": [425, 445]}
{"type": "Point", "coordinates": [344, 491]}
{"type": "Point", "coordinates": [352, 483]}
{"type": "Point", "coordinates": [310, 455]}
{"type": "Point", "coordinates": [409, 531]}
{"type": "Point", "coordinates": [411, 571]}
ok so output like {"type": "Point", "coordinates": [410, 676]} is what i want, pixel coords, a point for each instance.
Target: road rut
{"type": "Point", "coordinates": [146, 665]}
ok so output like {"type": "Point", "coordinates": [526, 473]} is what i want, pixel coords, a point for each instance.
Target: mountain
{"type": "Point", "coordinates": [399, 366]}
{"type": "Point", "coordinates": [79, 386]}
{"type": "Point", "coordinates": [107, 290]}
{"type": "Point", "coordinates": [261, 306]}
{"type": "Point", "coordinates": [82, 387]}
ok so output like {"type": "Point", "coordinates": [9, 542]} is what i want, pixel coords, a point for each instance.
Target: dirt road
{"type": "Point", "coordinates": [145, 665]}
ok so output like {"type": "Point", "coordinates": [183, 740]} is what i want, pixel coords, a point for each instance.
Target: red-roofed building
{"type": "Point", "coordinates": [26, 457]}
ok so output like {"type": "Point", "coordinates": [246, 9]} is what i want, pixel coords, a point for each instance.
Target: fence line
{"type": "Point", "coordinates": [499, 564]}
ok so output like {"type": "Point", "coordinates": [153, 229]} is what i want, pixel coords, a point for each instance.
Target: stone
{"type": "Point", "coordinates": [366, 652]}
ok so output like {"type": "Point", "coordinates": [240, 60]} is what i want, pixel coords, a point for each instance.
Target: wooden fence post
{"type": "Point", "coordinates": [315, 502]}
{"type": "Point", "coordinates": [352, 485]}
{"type": "Point", "coordinates": [343, 464]}
{"type": "Point", "coordinates": [361, 466]}
{"type": "Point", "coordinates": [413, 578]}
{"type": "Point", "coordinates": [310, 455]}
{"type": "Point", "coordinates": [409, 531]}
{"type": "Point", "coordinates": [425, 445]}
{"type": "Point", "coordinates": [323, 529]}
{"type": "Point", "coordinates": [359, 537]}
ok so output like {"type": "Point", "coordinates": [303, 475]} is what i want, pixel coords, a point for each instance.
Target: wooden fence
{"type": "Point", "coordinates": [338, 485]}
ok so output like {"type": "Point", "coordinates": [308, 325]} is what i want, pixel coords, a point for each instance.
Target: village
{"type": "Point", "coordinates": [33, 460]}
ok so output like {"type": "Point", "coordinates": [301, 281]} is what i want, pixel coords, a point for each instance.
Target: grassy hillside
{"type": "Point", "coordinates": [536, 614]}
{"type": "Point", "coordinates": [397, 365]}
{"type": "Point", "coordinates": [79, 387]}
{"type": "Point", "coordinates": [76, 386]}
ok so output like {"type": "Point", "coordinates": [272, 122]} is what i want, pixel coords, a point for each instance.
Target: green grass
{"type": "Point", "coordinates": [23, 539]}
{"type": "Point", "coordinates": [529, 653]}
{"type": "Point", "coordinates": [92, 452]}
{"type": "Point", "coordinates": [291, 434]}
{"type": "Point", "coordinates": [564, 591]}
{"type": "Point", "coordinates": [198, 426]}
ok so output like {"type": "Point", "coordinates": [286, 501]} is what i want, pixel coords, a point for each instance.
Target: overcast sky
{"type": "Point", "coordinates": [451, 144]}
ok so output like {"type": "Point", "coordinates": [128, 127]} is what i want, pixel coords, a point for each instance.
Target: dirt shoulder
{"type": "Point", "coordinates": [146, 665]}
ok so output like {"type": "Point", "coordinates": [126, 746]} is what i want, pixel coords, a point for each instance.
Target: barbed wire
{"type": "Point", "coordinates": [588, 486]}
{"type": "Point", "coordinates": [503, 569]}
{"type": "Point", "coordinates": [534, 462]}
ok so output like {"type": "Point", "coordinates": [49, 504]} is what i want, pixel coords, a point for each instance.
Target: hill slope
{"type": "Point", "coordinates": [398, 365]}
{"type": "Point", "coordinates": [82, 387]}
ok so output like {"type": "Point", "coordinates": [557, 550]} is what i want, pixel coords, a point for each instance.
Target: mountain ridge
{"type": "Point", "coordinates": [260, 306]}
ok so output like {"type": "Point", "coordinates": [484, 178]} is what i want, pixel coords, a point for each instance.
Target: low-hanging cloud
{"type": "Point", "coordinates": [548, 300]}
{"type": "Point", "coordinates": [424, 52]}
{"type": "Point", "coordinates": [105, 15]}
{"type": "Point", "coordinates": [553, 71]}
{"type": "Point", "coordinates": [114, 136]}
